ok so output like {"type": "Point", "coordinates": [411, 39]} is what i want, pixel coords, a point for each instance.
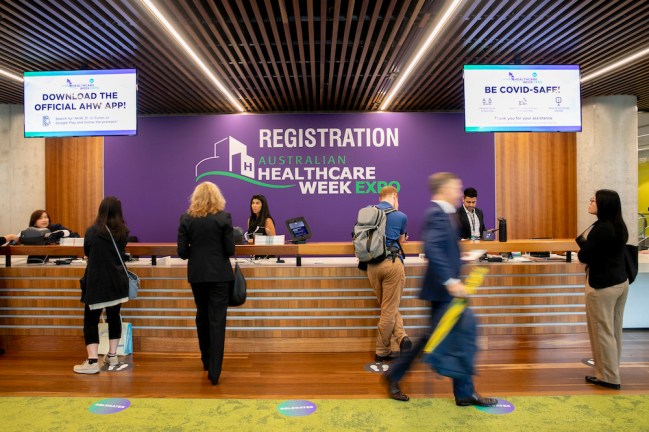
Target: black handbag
{"type": "Point", "coordinates": [237, 288]}
{"type": "Point", "coordinates": [631, 261]}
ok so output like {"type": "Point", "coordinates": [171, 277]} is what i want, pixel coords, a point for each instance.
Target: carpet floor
{"type": "Point", "coordinates": [533, 413]}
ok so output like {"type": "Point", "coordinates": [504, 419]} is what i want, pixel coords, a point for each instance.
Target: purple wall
{"type": "Point", "coordinates": [155, 172]}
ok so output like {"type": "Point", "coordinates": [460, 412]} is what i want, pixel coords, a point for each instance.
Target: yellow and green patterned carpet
{"type": "Point", "coordinates": [533, 413]}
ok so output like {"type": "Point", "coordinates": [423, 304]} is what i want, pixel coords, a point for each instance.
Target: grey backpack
{"type": "Point", "coordinates": [369, 234]}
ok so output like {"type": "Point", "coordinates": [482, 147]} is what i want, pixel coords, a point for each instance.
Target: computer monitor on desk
{"type": "Point", "coordinates": [298, 229]}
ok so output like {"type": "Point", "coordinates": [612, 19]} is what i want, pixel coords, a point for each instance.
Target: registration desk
{"type": "Point", "coordinates": [324, 305]}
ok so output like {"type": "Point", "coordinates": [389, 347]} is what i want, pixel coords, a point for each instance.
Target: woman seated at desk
{"type": "Point", "coordinates": [260, 221]}
{"type": "Point", "coordinates": [41, 219]}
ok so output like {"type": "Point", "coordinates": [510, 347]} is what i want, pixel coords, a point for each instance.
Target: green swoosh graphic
{"type": "Point", "coordinates": [240, 177]}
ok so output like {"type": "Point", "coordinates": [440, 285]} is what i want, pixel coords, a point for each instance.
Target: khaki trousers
{"type": "Point", "coordinates": [604, 312]}
{"type": "Point", "coordinates": [388, 278]}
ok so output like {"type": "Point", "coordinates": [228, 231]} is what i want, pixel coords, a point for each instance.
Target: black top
{"type": "Point", "coordinates": [105, 277]}
{"type": "Point", "coordinates": [603, 252]}
{"type": "Point", "coordinates": [257, 226]}
{"type": "Point", "coordinates": [208, 243]}
{"type": "Point", "coordinates": [58, 227]}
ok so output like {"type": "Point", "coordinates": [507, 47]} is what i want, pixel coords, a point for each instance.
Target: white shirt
{"type": "Point", "coordinates": [474, 222]}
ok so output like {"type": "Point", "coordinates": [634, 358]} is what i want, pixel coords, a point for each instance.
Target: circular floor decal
{"type": "Point", "coordinates": [376, 367]}
{"type": "Point", "coordinates": [296, 408]}
{"type": "Point", "coordinates": [121, 366]}
{"type": "Point", "coordinates": [109, 406]}
{"type": "Point", "coordinates": [503, 407]}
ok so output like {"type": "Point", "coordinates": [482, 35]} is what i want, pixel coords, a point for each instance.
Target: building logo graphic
{"type": "Point", "coordinates": [313, 171]}
{"type": "Point", "coordinates": [231, 159]}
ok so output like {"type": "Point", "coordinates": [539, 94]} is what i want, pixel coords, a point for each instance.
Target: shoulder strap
{"type": "Point", "coordinates": [117, 250]}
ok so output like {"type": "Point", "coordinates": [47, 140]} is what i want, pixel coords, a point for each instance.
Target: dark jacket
{"type": "Point", "coordinates": [455, 354]}
{"type": "Point", "coordinates": [465, 224]}
{"type": "Point", "coordinates": [208, 243]}
{"type": "Point", "coordinates": [603, 253]}
{"type": "Point", "coordinates": [443, 253]}
{"type": "Point", "coordinates": [105, 279]}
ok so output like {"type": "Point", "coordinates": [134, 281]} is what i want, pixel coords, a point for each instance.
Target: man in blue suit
{"type": "Point", "coordinates": [441, 283]}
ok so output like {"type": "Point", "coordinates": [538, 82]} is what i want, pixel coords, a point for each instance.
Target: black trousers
{"type": "Point", "coordinates": [91, 323]}
{"type": "Point", "coordinates": [211, 300]}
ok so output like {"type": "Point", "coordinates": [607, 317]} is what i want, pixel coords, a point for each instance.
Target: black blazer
{"type": "Point", "coordinates": [208, 243]}
{"type": "Point", "coordinates": [465, 225]}
{"type": "Point", "coordinates": [443, 253]}
{"type": "Point", "coordinates": [603, 252]}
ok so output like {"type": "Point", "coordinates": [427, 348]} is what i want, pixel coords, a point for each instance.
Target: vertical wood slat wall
{"type": "Point", "coordinates": [536, 184]}
{"type": "Point", "coordinates": [74, 180]}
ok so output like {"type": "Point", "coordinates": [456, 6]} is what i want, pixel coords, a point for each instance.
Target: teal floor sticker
{"type": "Point", "coordinates": [109, 406]}
{"type": "Point", "coordinates": [503, 407]}
{"type": "Point", "coordinates": [296, 408]}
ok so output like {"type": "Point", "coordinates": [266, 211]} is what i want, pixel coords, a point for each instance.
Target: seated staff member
{"type": "Point", "coordinates": [260, 221]}
{"type": "Point", "coordinates": [41, 219]}
{"type": "Point", "coordinates": [470, 217]}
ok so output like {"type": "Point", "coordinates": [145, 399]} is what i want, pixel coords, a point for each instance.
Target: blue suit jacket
{"type": "Point", "coordinates": [440, 237]}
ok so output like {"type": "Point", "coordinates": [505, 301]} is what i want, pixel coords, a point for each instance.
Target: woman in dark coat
{"type": "Point", "coordinates": [205, 238]}
{"type": "Point", "coordinates": [104, 284]}
{"type": "Point", "coordinates": [607, 285]}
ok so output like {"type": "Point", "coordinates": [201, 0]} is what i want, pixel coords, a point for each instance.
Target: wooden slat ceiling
{"type": "Point", "coordinates": [319, 56]}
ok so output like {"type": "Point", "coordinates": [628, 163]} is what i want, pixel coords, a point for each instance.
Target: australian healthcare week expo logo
{"type": "Point", "coordinates": [316, 163]}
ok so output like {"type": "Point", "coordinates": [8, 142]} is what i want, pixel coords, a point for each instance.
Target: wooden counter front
{"type": "Point", "coordinates": [322, 306]}
{"type": "Point", "coordinates": [297, 250]}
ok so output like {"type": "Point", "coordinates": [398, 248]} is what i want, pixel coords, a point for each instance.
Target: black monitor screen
{"type": "Point", "coordinates": [298, 229]}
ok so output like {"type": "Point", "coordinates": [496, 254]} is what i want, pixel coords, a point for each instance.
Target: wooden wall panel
{"type": "Point", "coordinates": [74, 180]}
{"type": "Point", "coordinates": [536, 184]}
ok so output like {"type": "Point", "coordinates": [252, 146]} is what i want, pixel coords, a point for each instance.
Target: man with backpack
{"type": "Point", "coordinates": [387, 277]}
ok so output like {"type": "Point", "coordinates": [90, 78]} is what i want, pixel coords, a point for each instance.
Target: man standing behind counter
{"type": "Point", "coordinates": [388, 279]}
{"type": "Point", "coordinates": [470, 217]}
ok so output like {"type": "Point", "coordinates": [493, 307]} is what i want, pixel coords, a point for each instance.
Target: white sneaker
{"type": "Point", "coordinates": [111, 360]}
{"type": "Point", "coordinates": [87, 368]}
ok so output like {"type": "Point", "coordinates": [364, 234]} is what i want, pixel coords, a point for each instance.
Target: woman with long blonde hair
{"type": "Point", "coordinates": [205, 238]}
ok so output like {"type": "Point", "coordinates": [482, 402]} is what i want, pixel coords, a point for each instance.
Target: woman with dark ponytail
{"type": "Point", "coordinates": [602, 250]}
{"type": "Point", "coordinates": [104, 284]}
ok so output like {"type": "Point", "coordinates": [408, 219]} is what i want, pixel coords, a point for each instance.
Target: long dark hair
{"type": "Point", "coordinates": [264, 214]}
{"type": "Point", "coordinates": [609, 210]}
{"type": "Point", "coordinates": [36, 215]}
{"type": "Point", "coordinates": [110, 214]}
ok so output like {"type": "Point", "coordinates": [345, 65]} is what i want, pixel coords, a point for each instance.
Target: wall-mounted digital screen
{"type": "Point", "coordinates": [522, 98]}
{"type": "Point", "coordinates": [80, 103]}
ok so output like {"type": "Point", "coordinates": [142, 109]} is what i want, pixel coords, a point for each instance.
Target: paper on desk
{"type": "Point", "coordinates": [520, 259]}
{"type": "Point", "coordinates": [472, 255]}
